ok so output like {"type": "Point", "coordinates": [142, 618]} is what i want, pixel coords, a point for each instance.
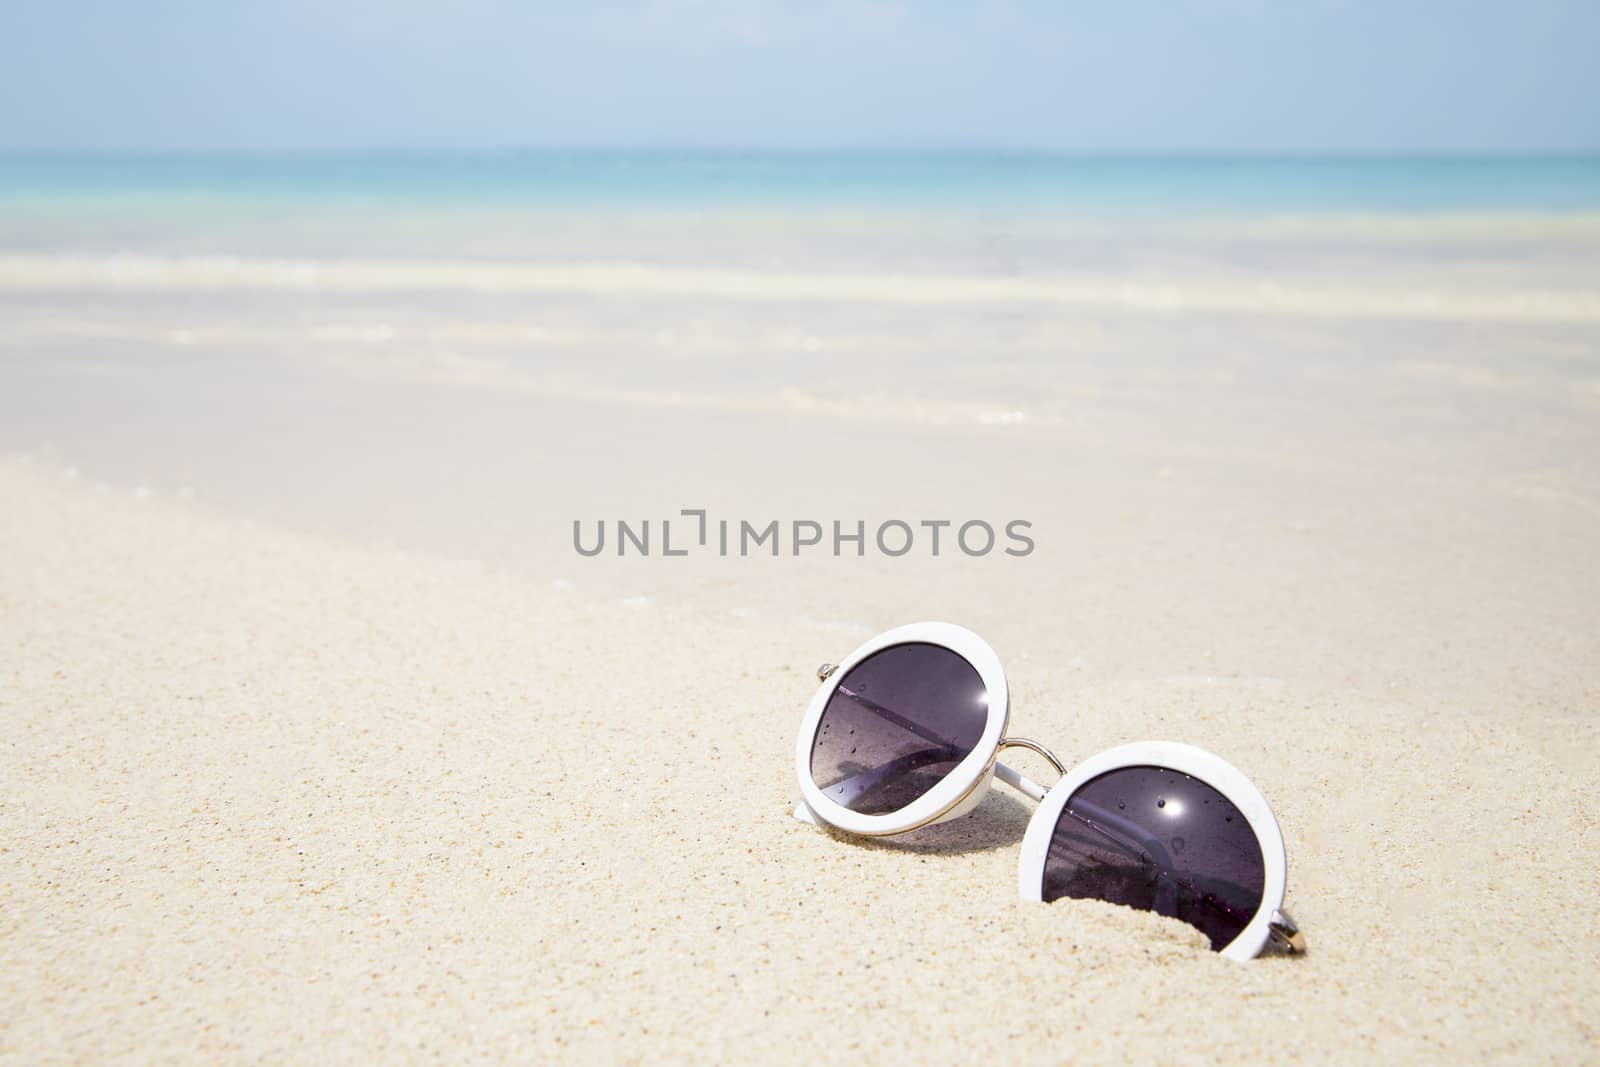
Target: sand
{"type": "Point", "coordinates": [320, 743]}
{"type": "Point", "coordinates": [267, 796]}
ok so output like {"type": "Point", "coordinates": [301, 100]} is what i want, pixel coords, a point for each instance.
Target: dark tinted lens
{"type": "Point", "coordinates": [897, 723]}
{"type": "Point", "coordinates": [1156, 839]}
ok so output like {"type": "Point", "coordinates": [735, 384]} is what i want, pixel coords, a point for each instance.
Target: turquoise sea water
{"type": "Point", "coordinates": [798, 182]}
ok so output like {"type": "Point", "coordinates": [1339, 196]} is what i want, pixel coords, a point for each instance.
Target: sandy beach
{"type": "Point", "coordinates": [322, 743]}
{"type": "Point", "coordinates": [268, 797]}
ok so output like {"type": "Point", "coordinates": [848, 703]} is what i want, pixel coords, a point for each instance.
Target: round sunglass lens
{"type": "Point", "coordinates": [897, 723]}
{"type": "Point", "coordinates": [1157, 839]}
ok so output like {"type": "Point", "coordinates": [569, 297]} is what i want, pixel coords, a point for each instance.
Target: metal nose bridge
{"type": "Point", "coordinates": [1032, 746]}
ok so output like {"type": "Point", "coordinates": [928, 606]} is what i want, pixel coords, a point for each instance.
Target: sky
{"type": "Point", "coordinates": [1091, 76]}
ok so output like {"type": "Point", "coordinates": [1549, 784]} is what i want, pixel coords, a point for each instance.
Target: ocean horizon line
{"type": "Point", "coordinates": [985, 182]}
{"type": "Point", "coordinates": [781, 152]}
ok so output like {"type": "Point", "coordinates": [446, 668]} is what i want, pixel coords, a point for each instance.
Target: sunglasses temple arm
{"type": "Point", "coordinates": [1022, 784]}
{"type": "Point", "coordinates": [803, 813]}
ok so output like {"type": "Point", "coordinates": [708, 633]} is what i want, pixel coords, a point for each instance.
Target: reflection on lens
{"type": "Point", "coordinates": [896, 724]}
{"type": "Point", "coordinates": [1157, 839]}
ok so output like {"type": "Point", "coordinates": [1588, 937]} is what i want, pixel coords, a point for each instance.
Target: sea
{"type": "Point", "coordinates": [536, 204]}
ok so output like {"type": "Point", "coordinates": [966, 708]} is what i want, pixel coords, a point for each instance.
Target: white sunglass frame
{"type": "Point", "coordinates": [1197, 763]}
{"type": "Point", "coordinates": [968, 783]}
{"type": "Point", "coordinates": [957, 792]}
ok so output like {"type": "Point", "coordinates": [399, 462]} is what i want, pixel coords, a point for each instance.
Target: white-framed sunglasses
{"type": "Point", "coordinates": [905, 731]}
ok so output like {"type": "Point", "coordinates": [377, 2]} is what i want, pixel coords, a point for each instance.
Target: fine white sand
{"type": "Point", "coordinates": [269, 797]}
{"type": "Point", "coordinates": [320, 743]}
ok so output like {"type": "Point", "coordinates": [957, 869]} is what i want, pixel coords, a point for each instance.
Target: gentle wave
{"type": "Point", "coordinates": [1391, 299]}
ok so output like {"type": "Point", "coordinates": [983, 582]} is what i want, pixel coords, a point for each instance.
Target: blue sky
{"type": "Point", "coordinates": [1102, 76]}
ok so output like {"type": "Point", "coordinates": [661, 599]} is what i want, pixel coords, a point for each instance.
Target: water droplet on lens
{"type": "Point", "coordinates": [1161, 802]}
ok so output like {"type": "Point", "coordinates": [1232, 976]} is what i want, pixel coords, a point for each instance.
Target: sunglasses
{"type": "Point", "coordinates": [905, 732]}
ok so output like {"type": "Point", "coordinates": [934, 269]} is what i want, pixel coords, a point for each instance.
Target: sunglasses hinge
{"type": "Point", "coordinates": [1285, 933]}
